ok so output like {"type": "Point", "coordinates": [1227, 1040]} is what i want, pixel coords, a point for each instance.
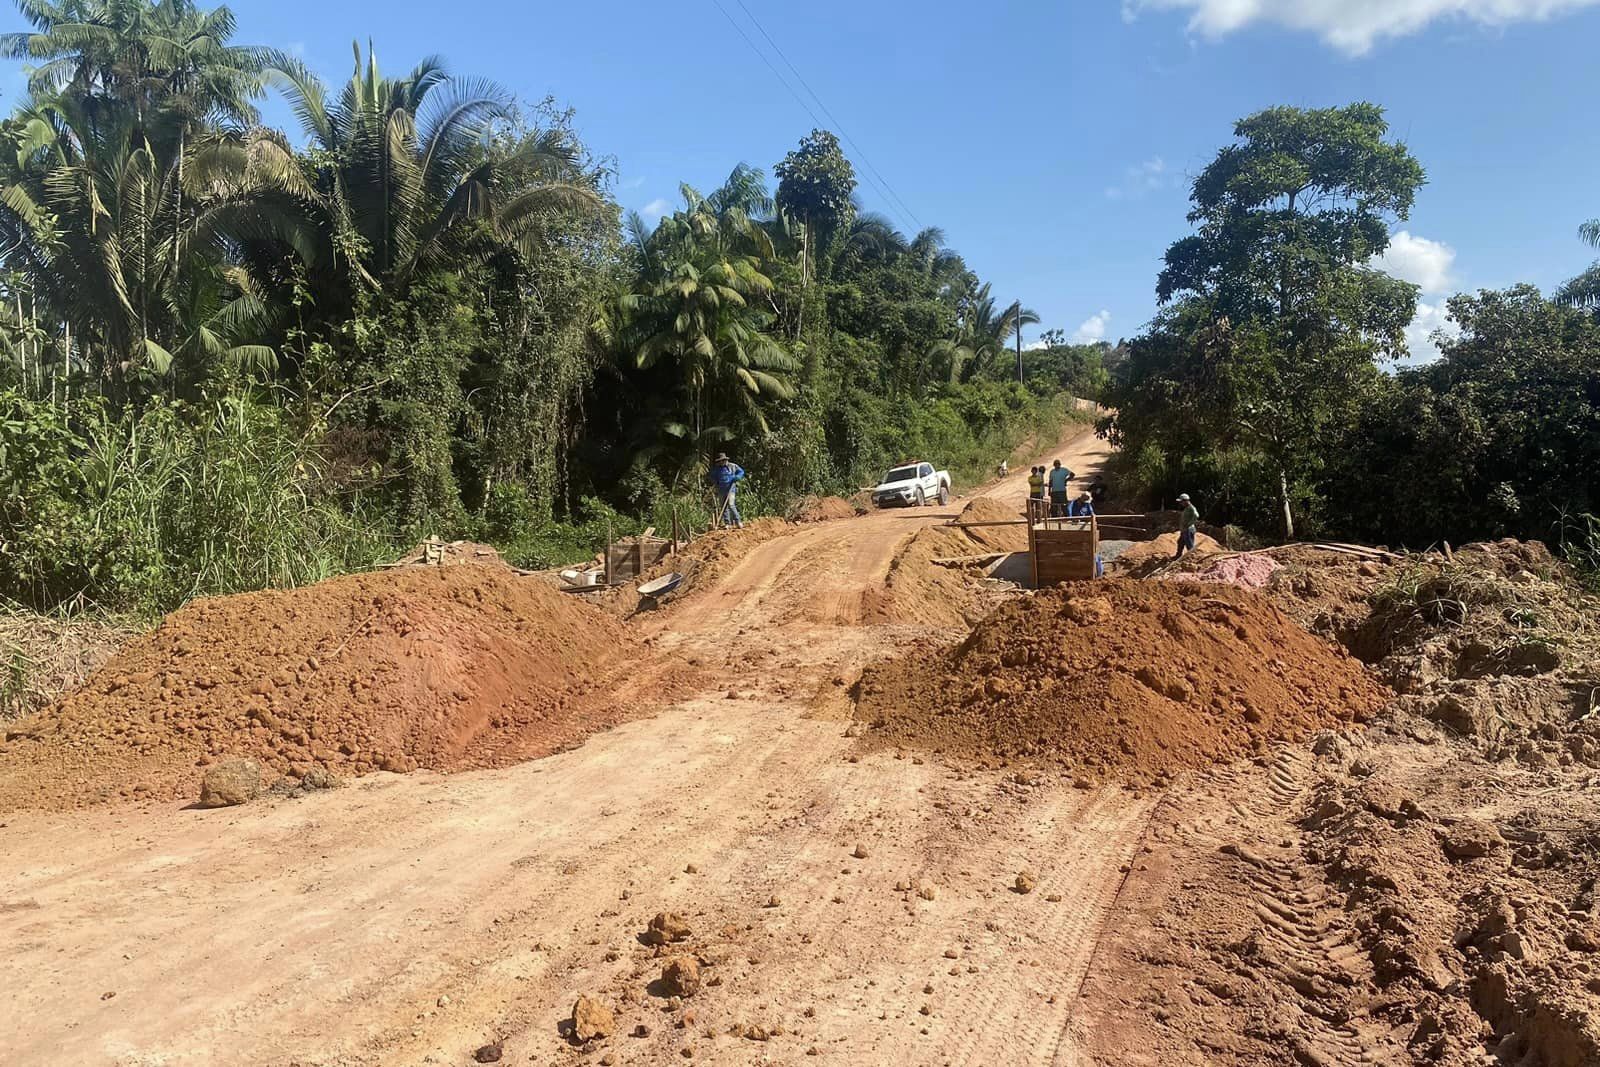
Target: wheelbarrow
{"type": "Point", "coordinates": [660, 587]}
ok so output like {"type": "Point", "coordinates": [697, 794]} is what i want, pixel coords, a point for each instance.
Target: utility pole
{"type": "Point", "coordinates": [1019, 346]}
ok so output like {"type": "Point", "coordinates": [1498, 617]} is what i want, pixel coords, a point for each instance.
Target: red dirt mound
{"type": "Point", "coordinates": [443, 668]}
{"type": "Point", "coordinates": [1120, 677]}
{"type": "Point", "coordinates": [824, 509]}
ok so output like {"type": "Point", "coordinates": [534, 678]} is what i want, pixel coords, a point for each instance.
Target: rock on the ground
{"type": "Point", "coordinates": [665, 928]}
{"type": "Point", "coordinates": [1470, 839]}
{"type": "Point", "coordinates": [489, 1053]}
{"type": "Point", "coordinates": [235, 781]}
{"type": "Point", "coordinates": [681, 976]}
{"type": "Point", "coordinates": [1026, 881]}
{"type": "Point", "coordinates": [592, 1019]}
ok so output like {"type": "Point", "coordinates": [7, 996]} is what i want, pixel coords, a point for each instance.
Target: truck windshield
{"type": "Point", "coordinates": [901, 474]}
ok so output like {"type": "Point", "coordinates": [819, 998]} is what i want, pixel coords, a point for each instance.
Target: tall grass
{"type": "Point", "coordinates": [144, 512]}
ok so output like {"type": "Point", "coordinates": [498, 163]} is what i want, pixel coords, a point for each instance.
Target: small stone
{"type": "Point", "coordinates": [443, 1001]}
{"type": "Point", "coordinates": [687, 1052]}
{"type": "Point", "coordinates": [592, 1019]}
{"type": "Point", "coordinates": [681, 976]}
{"type": "Point", "coordinates": [488, 1053]}
{"type": "Point", "coordinates": [774, 902]}
{"type": "Point", "coordinates": [607, 1060]}
{"type": "Point", "coordinates": [951, 954]}
{"type": "Point", "coordinates": [641, 1030]}
{"type": "Point", "coordinates": [1471, 838]}
{"type": "Point", "coordinates": [665, 928]}
{"type": "Point", "coordinates": [1054, 898]}
{"type": "Point", "coordinates": [860, 853]}
{"type": "Point", "coordinates": [1026, 881]}
{"type": "Point", "coordinates": [691, 869]}
{"type": "Point", "coordinates": [925, 1010]}
{"type": "Point", "coordinates": [231, 782]}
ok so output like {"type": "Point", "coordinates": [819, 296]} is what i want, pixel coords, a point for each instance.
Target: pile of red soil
{"type": "Point", "coordinates": [1126, 678]}
{"type": "Point", "coordinates": [825, 509]}
{"type": "Point", "coordinates": [439, 667]}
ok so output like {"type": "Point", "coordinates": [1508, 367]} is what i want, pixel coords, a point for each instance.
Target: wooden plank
{"type": "Point", "coordinates": [981, 525]}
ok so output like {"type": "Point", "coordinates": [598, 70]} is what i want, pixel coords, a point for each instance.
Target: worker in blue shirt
{"type": "Point", "coordinates": [1081, 508]}
{"type": "Point", "coordinates": [1059, 477]}
{"type": "Point", "coordinates": [725, 478]}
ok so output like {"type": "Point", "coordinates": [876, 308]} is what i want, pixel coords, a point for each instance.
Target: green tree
{"type": "Point", "coordinates": [1500, 436]}
{"type": "Point", "coordinates": [697, 308]}
{"type": "Point", "coordinates": [1283, 320]}
{"type": "Point", "coordinates": [815, 185]}
{"type": "Point", "coordinates": [401, 164]}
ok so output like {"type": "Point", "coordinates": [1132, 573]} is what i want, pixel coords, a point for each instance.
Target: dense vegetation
{"type": "Point", "coordinates": [235, 355]}
{"type": "Point", "coordinates": [1265, 385]}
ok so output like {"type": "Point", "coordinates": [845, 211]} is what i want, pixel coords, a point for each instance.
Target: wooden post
{"type": "Point", "coordinates": [608, 552]}
{"type": "Point", "coordinates": [674, 529]}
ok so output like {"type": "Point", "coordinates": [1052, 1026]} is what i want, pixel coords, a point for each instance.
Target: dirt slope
{"type": "Point", "coordinates": [414, 918]}
{"type": "Point", "coordinates": [444, 668]}
{"type": "Point", "coordinates": [1120, 677]}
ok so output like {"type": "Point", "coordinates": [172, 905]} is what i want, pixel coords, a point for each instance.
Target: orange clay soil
{"type": "Point", "coordinates": [1124, 678]}
{"type": "Point", "coordinates": [443, 668]}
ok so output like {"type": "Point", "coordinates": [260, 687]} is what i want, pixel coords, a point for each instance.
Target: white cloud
{"type": "Point", "coordinates": [1419, 261]}
{"type": "Point", "coordinates": [1036, 346]}
{"type": "Point", "coordinates": [633, 183]}
{"type": "Point", "coordinates": [1431, 317]}
{"type": "Point", "coordinates": [1093, 329]}
{"type": "Point", "coordinates": [1427, 265]}
{"type": "Point", "coordinates": [656, 208]}
{"type": "Point", "coordinates": [1351, 26]}
{"type": "Point", "coordinates": [1140, 179]}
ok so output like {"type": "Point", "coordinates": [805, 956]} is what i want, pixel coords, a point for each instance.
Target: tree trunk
{"type": "Point", "coordinates": [1283, 498]}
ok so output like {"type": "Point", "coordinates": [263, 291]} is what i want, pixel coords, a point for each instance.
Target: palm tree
{"type": "Point", "coordinates": [1584, 290]}
{"type": "Point", "coordinates": [981, 335]}
{"type": "Point", "coordinates": [164, 60]}
{"type": "Point", "coordinates": [693, 308]}
{"type": "Point", "coordinates": [111, 246]}
{"type": "Point", "coordinates": [401, 163]}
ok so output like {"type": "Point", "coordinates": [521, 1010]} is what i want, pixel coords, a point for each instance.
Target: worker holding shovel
{"type": "Point", "coordinates": [725, 478]}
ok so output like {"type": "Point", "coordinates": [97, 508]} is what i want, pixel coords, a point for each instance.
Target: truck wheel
{"type": "Point", "coordinates": [944, 495]}
{"type": "Point", "coordinates": [922, 500]}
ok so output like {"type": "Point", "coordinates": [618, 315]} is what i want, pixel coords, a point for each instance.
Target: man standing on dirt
{"type": "Point", "coordinates": [725, 478]}
{"type": "Point", "coordinates": [1188, 523]}
{"type": "Point", "coordinates": [1036, 483]}
{"type": "Point", "coordinates": [1059, 478]}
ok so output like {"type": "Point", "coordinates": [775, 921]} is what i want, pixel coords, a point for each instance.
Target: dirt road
{"type": "Point", "coordinates": [862, 910]}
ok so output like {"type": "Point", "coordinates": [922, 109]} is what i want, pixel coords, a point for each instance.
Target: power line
{"type": "Point", "coordinates": [889, 196]}
{"type": "Point", "coordinates": [839, 125]}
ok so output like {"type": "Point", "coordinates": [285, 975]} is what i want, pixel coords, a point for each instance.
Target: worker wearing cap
{"type": "Point", "coordinates": [725, 478]}
{"type": "Point", "coordinates": [1081, 508]}
{"type": "Point", "coordinates": [1188, 522]}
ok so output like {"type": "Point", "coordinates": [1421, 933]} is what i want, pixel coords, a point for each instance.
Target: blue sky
{"type": "Point", "coordinates": [1053, 141]}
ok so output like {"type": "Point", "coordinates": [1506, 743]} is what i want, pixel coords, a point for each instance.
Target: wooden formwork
{"type": "Point", "coordinates": [1061, 549]}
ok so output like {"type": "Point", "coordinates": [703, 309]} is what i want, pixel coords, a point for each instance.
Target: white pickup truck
{"type": "Point", "coordinates": [912, 485]}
